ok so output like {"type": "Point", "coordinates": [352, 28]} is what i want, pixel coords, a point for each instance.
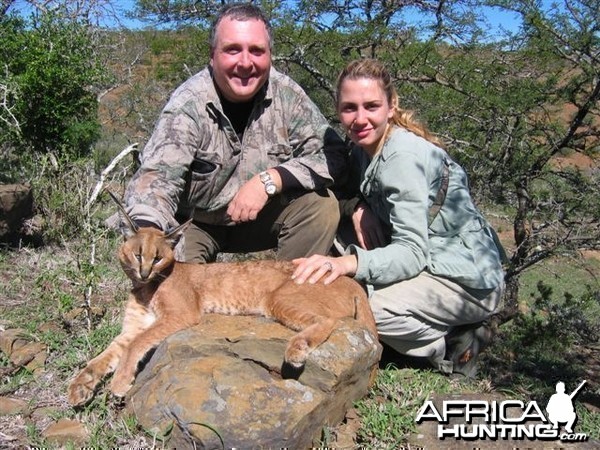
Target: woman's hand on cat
{"type": "Point", "coordinates": [317, 267]}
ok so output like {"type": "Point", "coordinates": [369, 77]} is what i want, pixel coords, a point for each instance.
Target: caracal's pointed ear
{"type": "Point", "coordinates": [131, 227]}
{"type": "Point", "coordinates": [174, 235]}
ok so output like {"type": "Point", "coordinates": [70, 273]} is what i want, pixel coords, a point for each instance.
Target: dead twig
{"type": "Point", "coordinates": [107, 171]}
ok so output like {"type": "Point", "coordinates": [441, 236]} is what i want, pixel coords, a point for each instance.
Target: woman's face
{"type": "Point", "coordinates": [364, 111]}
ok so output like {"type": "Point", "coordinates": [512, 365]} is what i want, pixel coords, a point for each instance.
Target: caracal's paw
{"type": "Point", "coordinates": [120, 385]}
{"type": "Point", "coordinates": [297, 352]}
{"type": "Point", "coordinates": [81, 390]}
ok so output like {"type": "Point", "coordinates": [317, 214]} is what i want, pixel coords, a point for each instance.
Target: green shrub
{"type": "Point", "coordinates": [546, 342]}
{"type": "Point", "coordinates": [49, 67]}
{"type": "Point", "coordinates": [554, 327]}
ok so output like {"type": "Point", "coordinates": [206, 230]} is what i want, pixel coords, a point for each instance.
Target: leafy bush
{"type": "Point", "coordinates": [546, 341]}
{"type": "Point", "coordinates": [49, 68]}
{"type": "Point", "coordinates": [557, 326]}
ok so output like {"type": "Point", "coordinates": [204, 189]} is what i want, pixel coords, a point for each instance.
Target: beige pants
{"type": "Point", "coordinates": [294, 225]}
{"type": "Point", "coordinates": [414, 316]}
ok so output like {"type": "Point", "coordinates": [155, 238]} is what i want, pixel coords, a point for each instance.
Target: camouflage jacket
{"type": "Point", "coordinates": [194, 162]}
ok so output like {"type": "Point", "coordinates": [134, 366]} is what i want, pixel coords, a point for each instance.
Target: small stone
{"type": "Point", "coordinates": [12, 406]}
{"type": "Point", "coordinates": [65, 431]}
{"type": "Point", "coordinates": [29, 353]}
{"type": "Point", "coordinates": [22, 350]}
{"type": "Point", "coordinates": [12, 339]}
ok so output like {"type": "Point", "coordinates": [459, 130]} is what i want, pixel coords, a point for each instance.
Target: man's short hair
{"type": "Point", "coordinates": [242, 12]}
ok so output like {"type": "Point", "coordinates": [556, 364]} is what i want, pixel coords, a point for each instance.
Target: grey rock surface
{"type": "Point", "coordinates": [223, 383]}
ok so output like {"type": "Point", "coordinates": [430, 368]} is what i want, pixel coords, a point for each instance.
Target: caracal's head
{"type": "Point", "coordinates": [147, 253]}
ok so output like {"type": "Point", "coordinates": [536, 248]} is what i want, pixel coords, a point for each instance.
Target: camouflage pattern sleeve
{"type": "Point", "coordinates": [319, 154]}
{"type": "Point", "coordinates": [195, 163]}
{"type": "Point", "coordinates": [155, 190]}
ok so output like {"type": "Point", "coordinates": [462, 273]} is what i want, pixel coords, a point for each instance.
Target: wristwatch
{"type": "Point", "coordinates": [270, 187]}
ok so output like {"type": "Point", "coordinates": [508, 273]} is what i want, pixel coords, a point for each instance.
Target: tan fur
{"type": "Point", "coordinates": [169, 296]}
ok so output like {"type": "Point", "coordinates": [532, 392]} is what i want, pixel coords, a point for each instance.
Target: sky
{"type": "Point", "coordinates": [496, 17]}
{"type": "Point", "coordinates": [498, 20]}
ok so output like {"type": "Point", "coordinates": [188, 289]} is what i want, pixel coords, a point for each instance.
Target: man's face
{"type": "Point", "coordinates": [241, 58]}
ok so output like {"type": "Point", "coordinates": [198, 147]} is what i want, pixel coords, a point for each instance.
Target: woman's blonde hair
{"type": "Point", "coordinates": [375, 70]}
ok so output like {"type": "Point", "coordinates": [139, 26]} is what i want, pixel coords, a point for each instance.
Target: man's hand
{"type": "Point", "coordinates": [368, 228]}
{"type": "Point", "coordinates": [251, 199]}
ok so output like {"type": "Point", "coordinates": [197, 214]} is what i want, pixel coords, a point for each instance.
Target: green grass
{"type": "Point", "coordinates": [45, 287]}
{"type": "Point", "coordinates": [554, 338]}
{"type": "Point", "coordinates": [563, 275]}
{"type": "Point", "coordinates": [388, 412]}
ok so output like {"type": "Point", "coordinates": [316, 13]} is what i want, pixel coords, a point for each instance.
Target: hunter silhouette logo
{"type": "Point", "coordinates": [560, 407]}
{"type": "Point", "coordinates": [507, 419]}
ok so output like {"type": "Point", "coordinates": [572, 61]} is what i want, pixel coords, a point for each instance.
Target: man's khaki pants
{"type": "Point", "coordinates": [294, 225]}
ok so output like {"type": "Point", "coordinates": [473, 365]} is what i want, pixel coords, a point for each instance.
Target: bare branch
{"type": "Point", "coordinates": [298, 57]}
{"type": "Point", "coordinates": [7, 100]}
{"type": "Point", "coordinates": [107, 171]}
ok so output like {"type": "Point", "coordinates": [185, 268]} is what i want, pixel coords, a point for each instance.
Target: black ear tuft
{"type": "Point", "coordinates": [132, 227]}
{"type": "Point", "coordinates": [174, 235]}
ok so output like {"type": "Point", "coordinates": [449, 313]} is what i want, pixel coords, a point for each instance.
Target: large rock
{"type": "Point", "coordinates": [222, 383]}
{"type": "Point", "coordinates": [16, 205]}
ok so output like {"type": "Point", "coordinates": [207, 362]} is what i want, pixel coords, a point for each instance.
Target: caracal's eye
{"type": "Point", "coordinates": [138, 257]}
{"type": "Point", "coordinates": [157, 259]}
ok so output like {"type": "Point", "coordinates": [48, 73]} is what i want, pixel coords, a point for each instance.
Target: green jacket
{"type": "Point", "coordinates": [194, 162]}
{"type": "Point", "coordinates": [400, 185]}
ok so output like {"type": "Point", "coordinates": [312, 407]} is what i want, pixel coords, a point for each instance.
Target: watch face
{"type": "Point", "coordinates": [270, 189]}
